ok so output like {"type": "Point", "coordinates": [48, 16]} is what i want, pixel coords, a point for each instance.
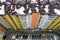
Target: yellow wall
{"type": "Point", "coordinates": [1, 38]}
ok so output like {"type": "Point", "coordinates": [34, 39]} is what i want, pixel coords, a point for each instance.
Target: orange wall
{"type": "Point", "coordinates": [35, 18]}
{"type": "Point", "coordinates": [2, 29]}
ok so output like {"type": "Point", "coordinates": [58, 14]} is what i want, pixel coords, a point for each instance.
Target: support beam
{"type": "Point", "coordinates": [48, 26]}
{"type": "Point", "coordinates": [8, 19]}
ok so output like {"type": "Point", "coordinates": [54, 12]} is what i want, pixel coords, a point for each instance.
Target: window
{"type": "Point", "coordinates": [25, 37]}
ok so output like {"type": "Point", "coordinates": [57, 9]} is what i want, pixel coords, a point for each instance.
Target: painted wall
{"type": "Point", "coordinates": [35, 18]}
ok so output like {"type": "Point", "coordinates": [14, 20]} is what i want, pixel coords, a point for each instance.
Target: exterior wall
{"type": "Point", "coordinates": [2, 29]}
{"type": "Point", "coordinates": [35, 18]}
{"type": "Point", "coordinates": [29, 21]}
{"type": "Point", "coordinates": [1, 39]}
